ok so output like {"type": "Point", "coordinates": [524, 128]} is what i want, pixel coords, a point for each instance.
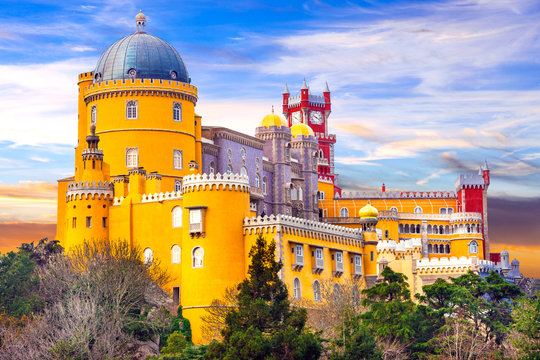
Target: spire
{"type": "Point", "coordinates": [304, 85]}
{"type": "Point", "coordinates": [486, 165]}
{"type": "Point", "coordinates": [326, 89]}
{"type": "Point", "coordinates": [286, 90]}
{"type": "Point", "coordinates": [272, 109]}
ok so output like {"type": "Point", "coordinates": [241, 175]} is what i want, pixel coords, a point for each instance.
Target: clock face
{"type": "Point", "coordinates": [315, 117]}
{"type": "Point", "coordinates": [296, 117]}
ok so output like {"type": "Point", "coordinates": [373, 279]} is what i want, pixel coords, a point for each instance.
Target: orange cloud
{"type": "Point", "coordinates": [29, 189]}
{"type": "Point", "coordinates": [527, 256]}
{"type": "Point", "coordinates": [14, 234]}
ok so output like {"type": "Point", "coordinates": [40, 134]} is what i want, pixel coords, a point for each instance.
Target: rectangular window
{"type": "Point", "coordinates": [88, 221]}
{"type": "Point", "coordinates": [450, 210]}
{"type": "Point", "coordinates": [104, 222]}
{"type": "Point", "coordinates": [319, 253]}
{"type": "Point", "coordinates": [177, 112]}
{"type": "Point", "coordinates": [177, 185]}
{"type": "Point", "coordinates": [132, 157]}
{"type": "Point", "coordinates": [177, 159]}
{"type": "Point", "coordinates": [74, 223]}
{"type": "Point", "coordinates": [195, 220]}
{"type": "Point", "coordinates": [176, 295]}
{"type": "Point", "coordinates": [299, 250]}
{"type": "Point", "coordinates": [131, 109]}
{"type": "Point", "coordinates": [339, 257]}
{"type": "Point", "coordinates": [371, 256]}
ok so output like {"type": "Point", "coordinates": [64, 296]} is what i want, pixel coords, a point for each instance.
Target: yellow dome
{"type": "Point", "coordinates": [301, 129]}
{"type": "Point", "coordinates": [368, 212]}
{"type": "Point", "coordinates": [273, 120]}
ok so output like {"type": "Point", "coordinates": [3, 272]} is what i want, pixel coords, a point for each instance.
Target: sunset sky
{"type": "Point", "coordinates": [421, 91]}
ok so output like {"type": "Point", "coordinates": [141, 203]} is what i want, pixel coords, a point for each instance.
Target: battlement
{"type": "Point", "coordinates": [404, 245]}
{"type": "Point", "coordinates": [85, 76]}
{"type": "Point", "coordinates": [469, 181]}
{"type": "Point", "coordinates": [201, 182]}
{"type": "Point", "coordinates": [399, 195]}
{"type": "Point", "coordinates": [175, 195]}
{"type": "Point", "coordinates": [447, 265]}
{"type": "Point", "coordinates": [78, 190]}
{"type": "Point", "coordinates": [465, 217]}
{"type": "Point", "coordinates": [304, 227]}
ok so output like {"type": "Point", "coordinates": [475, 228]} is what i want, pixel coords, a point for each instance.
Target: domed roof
{"type": "Point", "coordinates": [140, 16]}
{"type": "Point", "coordinates": [141, 56]}
{"type": "Point", "coordinates": [515, 262]}
{"type": "Point", "coordinates": [273, 120]}
{"type": "Point", "coordinates": [368, 212]}
{"type": "Point", "coordinates": [504, 252]}
{"type": "Point", "coordinates": [301, 129]}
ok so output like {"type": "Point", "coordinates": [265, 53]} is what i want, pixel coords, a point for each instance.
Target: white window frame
{"type": "Point", "coordinates": [297, 288]}
{"type": "Point", "coordinates": [229, 169]}
{"type": "Point", "coordinates": [177, 111]}
{"type": "Point", "coordinates": [243, 171]}
{"type": "Point", "coordinates": [132, 109]}
{"type": "Point", "coordinates": [178, 158]}
{"type": "Point", "coordinates": [473, 247]}
{"type": "Point", "coordinates": [418, 210]}
{"type": "Point", "coordinates": [321, 195]}
{"type": "Point", "coordinates": [197, 263]}
{"type": "Point", "coordinates": [177, 185]}
{"type": "Point", "coordinates": [339, 257]}
{"type": "Point", "coordinates": [130, 164]}
{"type": "Point", "coordinates": [176, 213]}
{"type": "Point", "coordinates": [294, 194]}
{"type": "Point", "coordinates": [176, 254]}
{"type": "Point", "coordinates": [93, 114]}
{"type": "Point", "coordinates": [257, 180]}
{"type": "Point", "coordinates": [344, 212]}
{"type": "Point", "coordinates": [148, 256]}
{"type": "Point", "coordinates": [300, 194]}
{"type": "Point", "coordinates": [212, 168]}
{"type": "Point", "coordinates": [317, 291]}
{"type": "Point", "coordinates": [265, 185]}
{"type": "Point", "coordinates": [243, 152]}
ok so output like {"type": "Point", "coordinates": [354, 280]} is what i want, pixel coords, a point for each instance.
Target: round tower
{"type": "Point", "coordinates": [214, 255]}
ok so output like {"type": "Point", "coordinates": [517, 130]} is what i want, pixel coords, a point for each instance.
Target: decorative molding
{"type": "Point", "coordinates": [201, 182]}
{"type": "Point", "coordinates": [399, 195]}
{"type": "Point", "coordinates": [447, 265]}
{"type": "Point", "coordinates": [224, 133]}
{"type": "Point", "coordinates": [210, 149]}
{"type": "Point", "coordinates": [78, 190]}
{"type": "Point", "coordinates": [175, 195]}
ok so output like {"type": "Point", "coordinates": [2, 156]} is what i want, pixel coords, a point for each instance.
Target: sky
{"type": "Point", "coordinates": [421, 91]}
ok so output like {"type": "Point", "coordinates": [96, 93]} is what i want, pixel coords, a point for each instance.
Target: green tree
{"type": "Point", "coordinates": [525, 331]}
{"type": "Point", "coordinates": [355, 343]}
{"type": "Point", "coordinates": [264, 326]}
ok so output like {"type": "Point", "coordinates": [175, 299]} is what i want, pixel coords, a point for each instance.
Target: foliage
{"type": "Point", "coordinates": [264, 326]}
{"type": "Point", "coordinates": [176, 343]}
{"type": "Point", "coordinates": [525, 331]}
{"type": "Point", "coordinates": [216, 313]}
{"type": "Point", "coordinates": [355, 342]}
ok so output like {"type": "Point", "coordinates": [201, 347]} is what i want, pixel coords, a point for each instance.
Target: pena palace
{"type": "Point", "coordinates": [196, 197]}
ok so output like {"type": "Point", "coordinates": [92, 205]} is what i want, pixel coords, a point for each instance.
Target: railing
{"type": "Point", "coordinates": [299, 259]}
{"type": "Point", "coordinates": [195, 227]}
{"type": "Point", "coordinates": [339, 266]}
{"type": "Point", "coordinates": [319, 263]}
{"type": "Point", "coordinates": [341, 220]}
{"type": "Point", "coordinates": [322, 161]}
{"type": "Point", "coordinates": [357, 269]}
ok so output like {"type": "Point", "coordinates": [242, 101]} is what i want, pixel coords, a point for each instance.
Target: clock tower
{"type": "Point", "coordinates": [314, 110]}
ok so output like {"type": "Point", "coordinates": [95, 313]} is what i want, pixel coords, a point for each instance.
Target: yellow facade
{"type": "Point", "coordinates": [200, 227]}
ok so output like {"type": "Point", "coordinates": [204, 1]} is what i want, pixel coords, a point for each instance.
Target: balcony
{"type": "Point", "coordinates": [319, 266]}
{"type": "Point", "coordinates": [256, 192]}
{"type": "Point", "coordinates": [338, 269]}
{"type": "Point", "coordinates": [298, 262]}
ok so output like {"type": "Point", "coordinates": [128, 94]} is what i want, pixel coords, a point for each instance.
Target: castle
{"type": "Point", "coordinates": [196, 197]}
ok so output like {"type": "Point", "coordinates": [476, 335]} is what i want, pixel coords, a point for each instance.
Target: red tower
{"type": "Point", "coordinates": [314, 111]}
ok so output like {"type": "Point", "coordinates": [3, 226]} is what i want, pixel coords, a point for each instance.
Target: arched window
{"type": "Point", "coordinates": [461, 228]}
{"type": "Point", "coordinates": [176, 253]}
{"type": "Point", "coordinates": [243, 171]}
{"type": "Point", "coordinates": [441, 229]}
{"type": "Point", "coordinates": [430, 248]}
{"type": "Point", "coordinates": [447, 249]}
{"type": "Point", "coordinates": [300, 194]}
{"type": "Point", "coordinates": [407, 229]}
{"type": "Point", "coordinates": [344, 212]}
{"type": "Point", "coordinates": [131, 109]}
{"type": "Point", "coordinates": [321, 155]}
{"type": "Point", "coordinates": [418, 229]}
{"type": "Point", "coordinates": [478, 228]}
{"type": "Point", "coordinates": [177, 217]}
{"type": "Point", "coordinates": [468, 228]}
{"type": "Point", "coordinates": [132, 157]}
{"type": "Point", "coordinates": [418, 210]}
{"type": "Point", "coordinates": [257, 180]}
{"type": "Point", "coordinates": [197, 256]}
{"type": "Point", "coordinates": [435, 229]}
{"type": "Point", "coordinates": [393, 208]}
{"type": "Point", "coordinates": [212, 167]}
{"type": "Point", "coordinates": [473, 247]}
{"type": "Point", "coordinates": [317, 290]}
{"type": "Point", "coordinates": [288, 152]}
{"type": "Point", "coordinates": [337, 289]}
{"type": "Point", "coordinates": [177, 159]}
{"type": "Point", "coordinates": [177, 112]}
{"type": "Point", "coordinates": [450, 211]}
{"type": "Point", "coordinates": [243, 153]}
{"type": "Point", "coordinates": [296, 288]}
{"type": "Point", "coordinates": [435, 248]}
{"type": "Point", "coordinates": [178, 185]}
{"type": "Point", "coordinates": [429, 229]}
{"type": "Point", "coordinates": [294, 194]}
{"type": "Point", "coordinates": [148, 255]}
{"type": "Point", "coordinates": [93, 114]}
{"type": "Point", "coordinates": [386, 234]}
{"type": "Point", "coordinates": [229, 170]}
{"type": "Point", "coordinates": [447, 229]}
{"type": "Point", "coordinates": [400, 228]}
{"type": "Point", "coordinates": [442, 211]}
{"type": "Point", "coordinates": [265, 186]}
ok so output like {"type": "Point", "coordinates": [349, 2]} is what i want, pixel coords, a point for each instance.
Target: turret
{"type": "Point", "coordinates": [327, 104]}
{"type": "Point", "coordinates": [286, 96]}
{"type": "Point", "coordinates": [304, 101]}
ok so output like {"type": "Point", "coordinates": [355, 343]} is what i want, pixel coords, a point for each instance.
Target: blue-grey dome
{"type": "Point", "coordinates": [141, 56]}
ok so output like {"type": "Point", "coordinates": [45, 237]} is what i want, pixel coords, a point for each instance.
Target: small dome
{"type": "Point", "coordinates": [140, 16]}
{"type": "Point", "coordinates": [504, 252]}
{"type": "Point", "coordinates": [368, 212]}
{"type": "Point", "coordinates": [273, 120]}
{"type": "Point", "coordinates": [301, 129]}
{"type": "Point", "coordinates": [515, 262]}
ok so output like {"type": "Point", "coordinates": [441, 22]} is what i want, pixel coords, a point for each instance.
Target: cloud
{"type": "Point", "coordinates": [14, 234]}
{"type": "Point", "coordinates": [82, 48]}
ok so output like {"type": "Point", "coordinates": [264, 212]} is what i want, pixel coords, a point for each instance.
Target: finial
{"type": "Point", "coordinates": [486, 165]}
{"type": "Point", "coordinates": [286, 91]}
{"type": "Point", "coordinates": [304, 85]}
{"type": "Point", "coordinates": [93, 129]}
{"type": "Point", "coordinates": [326, 89]}
{"type": "Point", "coordinates": [140, 19]}
{"type": "Point", "coordinates": [272, 109]}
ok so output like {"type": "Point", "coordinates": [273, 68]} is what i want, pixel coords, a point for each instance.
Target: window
{"type": "Point", "coordinates": [339, 257]}
{"type": "Point", "coordinates": [198, 257]}
{"type": "Point", "coordinates": [296, 288]}
{"type": "Point", "coordinates": [104, 222]}
{"type": "Point", "coordinates": [148, 255]}
{"type": "Point", "coordinates": [344, 213]}
{"type": "Point", "coordinates": [442, 211]}
{"type": "Point", "coordinates": [88, 221]}
{"type": "Point", "coordinates": [393, 208]}
{"type": "Point", "coordinates": [243, 171]}
{"type": "Point", "coordinates": [229, 153]}
{"type": "Point", "coordinates": [74, 223]}
{"type": "Point", "coordinates": [300, 194]}
{"type": "Point", "coordinates": [176, 295]}
{"type": "Point", "coordinates": [229, 170]}
{"type": "Point", "coordinates": [321, 195]}
{"type": "Point", "coordinates": [319, 254]}
{"type": "Point", "coordinates": [450, 211]}
{"type": "Point", "coordinates": [337, 289]}
{"type": "Point", "coordinates": [177, 159]}
{"type": "Point", "coordinates": [317, 290]}
{"type": "Point", "coordinates": [473, 247]}
{"type": "Point", "coordinates": [257, 181]}
{"type": "Point", "coordinates": [176, 254]}
{"type": "Point", "coordinates": [132, 157]}
{"type": "Point", "coordinates": [386, 234]}
{"type": "Point", "coordinates": [195, 220]}
{"type": "Point", "coordinates": [178, 185]}
{"type": "Point", "coordinates": [131, 109]}
{"type": "Point", "coordinates": [299, 250]}
{"type": "Point", "coordinates": [429, 229]}
{"type": "Point", "coordinates": [93, 114]}
{"type": "Point", "coordinates": [265, 185]}
{"type": "Point", "coordinates": [177, 217]}
{"type": "Point", "coordinates": [243, 153]}
{"type": "Point", "coordinates": [418, 210]}
{"type": "Point", "coordinates": [177, 112]}
{"type": "Point", "coordinates": [212, 168]}
{"type": "Point", "coordinates": [294, 194]}
{"type": "Point", "coordinates": [371, 255]}
{"type": "Point", "coordinates": [400, 228]}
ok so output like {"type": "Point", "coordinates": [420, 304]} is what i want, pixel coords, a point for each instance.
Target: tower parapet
{"type": "Point", "coordinates": [80, 190]}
